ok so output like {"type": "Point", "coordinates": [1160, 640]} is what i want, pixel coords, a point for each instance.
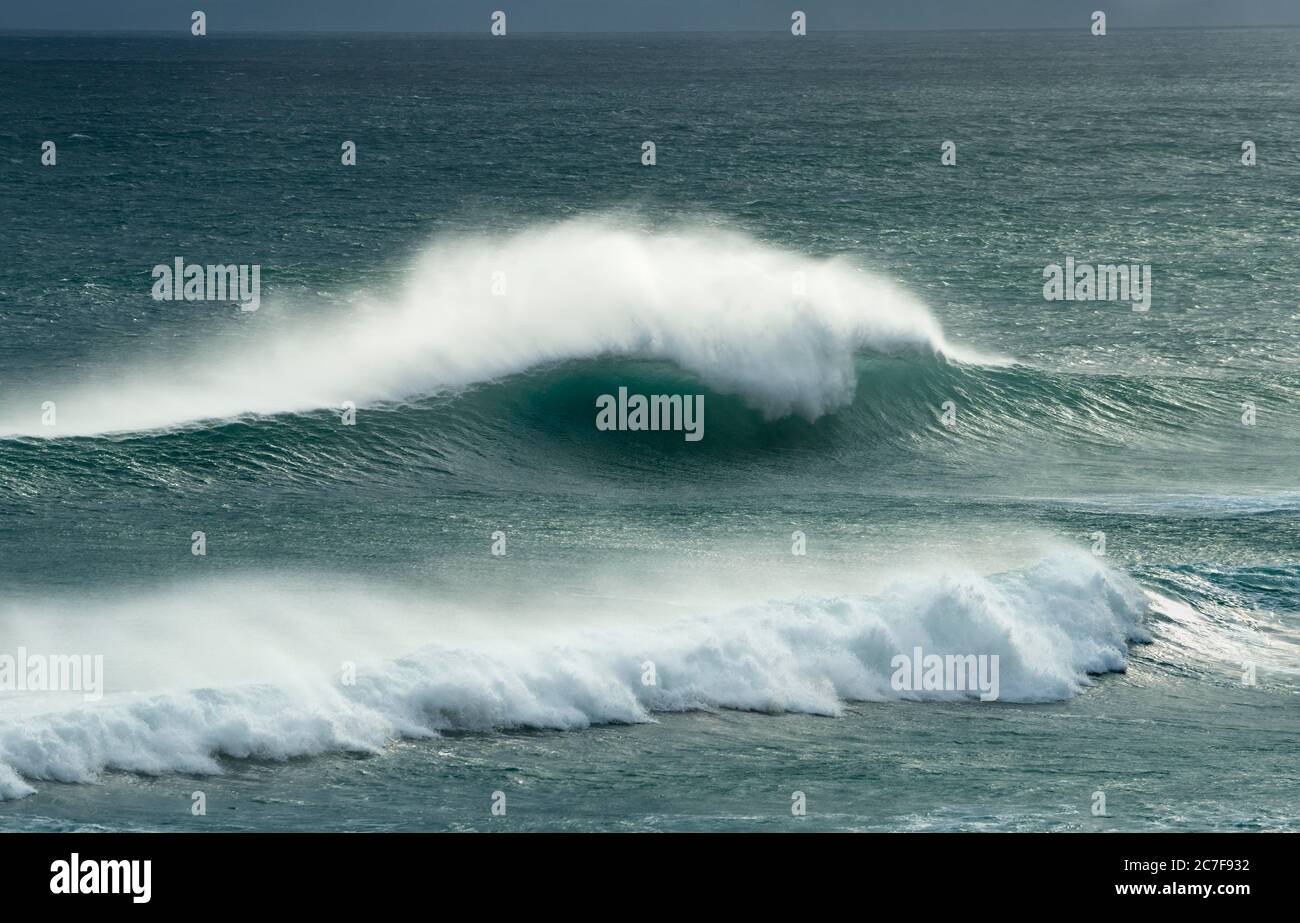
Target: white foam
{"type": "Point", "coordinates": [719, 304]}
{"type": "Point", "coordinates": [1051, 625]}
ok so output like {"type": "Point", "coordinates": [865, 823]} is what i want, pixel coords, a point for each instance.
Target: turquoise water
{"type": "Point", "coordinates": [371, 545]}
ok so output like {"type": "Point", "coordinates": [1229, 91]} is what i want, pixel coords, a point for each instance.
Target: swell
{"type": "Point", "coordinates": [503, 434]}
{"type": "Point", "coordinates": [483, 369]}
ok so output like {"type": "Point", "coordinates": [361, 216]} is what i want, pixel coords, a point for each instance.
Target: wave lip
{"type": "Point", "coordinates": [1051, 625]}
{"type": "Point", "coordinates": [774, 326]}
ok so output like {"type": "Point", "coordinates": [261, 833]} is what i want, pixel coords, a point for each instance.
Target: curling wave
{"type": "Point", "coordinates": [776, 327]}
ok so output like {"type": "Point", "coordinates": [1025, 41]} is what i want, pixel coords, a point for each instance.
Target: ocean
{"type": "Point", "coordinates": [357, 556]}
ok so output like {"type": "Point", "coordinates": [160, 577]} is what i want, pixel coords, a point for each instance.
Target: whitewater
{"type": "Point", "coordinates": [1054, 625]}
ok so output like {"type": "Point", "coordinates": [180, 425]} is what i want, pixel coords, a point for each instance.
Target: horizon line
{"type": "Point", "coordinates": [484, 33]}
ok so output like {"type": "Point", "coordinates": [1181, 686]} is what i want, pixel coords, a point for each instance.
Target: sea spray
{"type": "Point", "coordinates": [718, 304]}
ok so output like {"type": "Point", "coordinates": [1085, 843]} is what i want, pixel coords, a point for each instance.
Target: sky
{"type": "Point", "coordinates": [632, 15]}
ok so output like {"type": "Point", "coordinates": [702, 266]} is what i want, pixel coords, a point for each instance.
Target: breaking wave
{"type": "Point", "coordinates": [1052, 625]}
{"type": "Point", "coordinates": [776, 327]}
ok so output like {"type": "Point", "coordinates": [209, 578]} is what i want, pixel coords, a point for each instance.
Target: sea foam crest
{"type": "Point", "coordinates": [775, 326]}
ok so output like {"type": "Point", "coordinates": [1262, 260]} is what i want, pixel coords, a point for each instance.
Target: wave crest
{"type": "Point", "coordinates": [774, 326]}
